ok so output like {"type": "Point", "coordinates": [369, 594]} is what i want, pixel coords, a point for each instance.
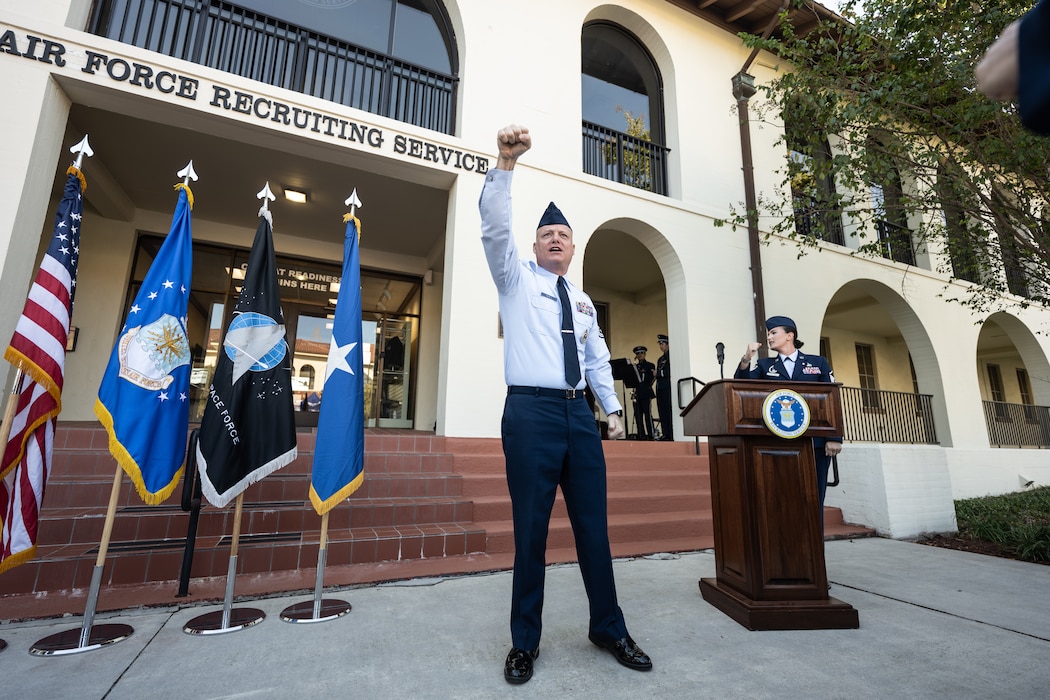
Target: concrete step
{"type": "Point", "coordinates": [654, 531]}
{"type": "Point", "coordinates": [424, 499]}
{"type": "Point", "coordinates": [490, 508]}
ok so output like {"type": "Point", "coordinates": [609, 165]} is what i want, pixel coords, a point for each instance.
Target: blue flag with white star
{"type": "Point", "coordinates": [143, 401]}
{"type": "Point", "coordinates": [339, 455]}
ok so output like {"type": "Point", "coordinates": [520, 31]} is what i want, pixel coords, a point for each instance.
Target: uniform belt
{"type": "Point", "coordinates": [549, 393]}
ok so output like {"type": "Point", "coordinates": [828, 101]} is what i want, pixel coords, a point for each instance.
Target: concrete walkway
{"type": "Point", "coordinates": [934, 623]}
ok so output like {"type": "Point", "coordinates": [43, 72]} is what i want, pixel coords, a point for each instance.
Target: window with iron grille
{"type": "Point", "coordinates": [869, 383]}
{"type": "Point", "coordinates": [623, 114]}
{"type": "Point", "coordinates": [813, 196]}
{"type": "Point", "coordinates": [396, 58]}
{"type": "Point", "coordinates": [998, 392]}
{"type": "Point", "coordinates": [1025, 387]}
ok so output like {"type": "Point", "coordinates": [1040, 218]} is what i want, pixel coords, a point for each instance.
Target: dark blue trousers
{"type": "Point", "coordinates": [823, 464]}
{"type": "Point", "coordinates": [552, 442]}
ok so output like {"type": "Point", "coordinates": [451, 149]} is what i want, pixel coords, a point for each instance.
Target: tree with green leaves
{"type": "Point", "coordinates": [637, 168]}
{"type": "Point", "coordinates": [888, 141]}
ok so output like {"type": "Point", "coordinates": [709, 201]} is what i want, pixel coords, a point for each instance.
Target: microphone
{"type": "Point", "coordinates": [720, 353]}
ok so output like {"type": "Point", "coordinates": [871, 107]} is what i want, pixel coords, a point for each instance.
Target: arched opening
{"type": "Point", "coordinates": [623, 116]}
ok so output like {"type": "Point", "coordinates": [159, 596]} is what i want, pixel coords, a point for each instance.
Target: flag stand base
{"type": "Point", "coordinates": [228, 619]}
{"type": "Point", "coordinates": [330, 609]}
{"type": "Point", "coordinates": [222, 621]}
{"type": "Point", "coordinates": [317, 610]}
{"type": "Point", "coordinates": [90, 636]}
{"type": "Point", "coordinates": [69, 642]}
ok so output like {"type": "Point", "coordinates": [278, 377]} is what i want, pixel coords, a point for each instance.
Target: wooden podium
{"type": "Point", "coordinates": [769, 544]}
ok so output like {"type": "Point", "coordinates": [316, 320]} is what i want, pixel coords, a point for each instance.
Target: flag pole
{"type": "Point", "coordinates": [318, 610]}
{"type": "Point", "coordinates": [229, 619]}
{"type": "Point", "coordinates": [90, 636]}
{"type": "Point", "coordinates": [12, 406]}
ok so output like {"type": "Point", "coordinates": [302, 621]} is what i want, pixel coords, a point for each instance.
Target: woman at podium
{"type": "Point", "coordinates": [792, 365]}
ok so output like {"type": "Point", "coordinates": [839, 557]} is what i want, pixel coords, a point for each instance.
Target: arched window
{"type": "Point", "coordinates": [308, 374]}
{"type": "Point", "coordinates": [888, 205]}
{"type": "Point", "coordinates": [816, 208]}
{"type": "Point", "coordinates": [623, 116]}
{"type": "Point", "coordinates": [396, 58]}
{"type": "Point", "coordinates": [962, 236]}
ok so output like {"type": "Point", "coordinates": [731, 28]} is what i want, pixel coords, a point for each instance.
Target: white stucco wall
{"type": "Point", "coordinates": [526, 71]}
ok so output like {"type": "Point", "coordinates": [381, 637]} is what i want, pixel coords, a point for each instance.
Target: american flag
{"type": "Point", "coordinates": [38, 347]}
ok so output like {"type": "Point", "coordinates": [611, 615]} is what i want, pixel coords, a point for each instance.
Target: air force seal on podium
{"type": "Point", "coordinates": [786, 414]}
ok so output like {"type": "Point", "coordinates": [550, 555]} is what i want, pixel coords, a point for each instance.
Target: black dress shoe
{"type": "Point", "coordinates": [518, 667]}
{"type": "Point", "coordinates": [626, 652]}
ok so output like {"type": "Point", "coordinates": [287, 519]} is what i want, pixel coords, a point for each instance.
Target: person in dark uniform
{"type": "Point", "coordinates": [643, 395]}
{"type": "Point", "coordinates": [792, 365]}
{"type": "Point", "coordinates": [552, 343]}
{"type": "Point", "coordinates": [1017, 68]}
{"type": "Point", "coordinates": [663, 388]}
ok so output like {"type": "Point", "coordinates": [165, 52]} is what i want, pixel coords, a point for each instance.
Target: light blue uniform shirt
{"type": "Point", "coordinates": [531, 311]}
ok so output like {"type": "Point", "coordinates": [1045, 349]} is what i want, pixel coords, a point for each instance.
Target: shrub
{"type": "Point", "coordinates": [1020, 522]}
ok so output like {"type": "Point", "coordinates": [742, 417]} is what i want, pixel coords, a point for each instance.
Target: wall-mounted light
{"type": "Point", "coordinates": [297, 196]}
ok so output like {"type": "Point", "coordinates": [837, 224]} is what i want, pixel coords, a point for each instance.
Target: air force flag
{"type": "Point", "coordinates": [143, 400]}
{"type": "Point", "coordinates": [338, 468]}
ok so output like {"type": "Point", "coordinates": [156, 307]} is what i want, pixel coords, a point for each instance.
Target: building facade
{"type": "Point", "coordinates": [636, 137]}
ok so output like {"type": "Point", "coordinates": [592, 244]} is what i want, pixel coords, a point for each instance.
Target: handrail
{"type": "Point", "coordinates": [694, 381]}
{"type": "Point", "coordinates": [1017, 425]}
{"type": "Point", "coordinates": [873, 415]}
{"type": "Point", "coordinates": [631, 160]}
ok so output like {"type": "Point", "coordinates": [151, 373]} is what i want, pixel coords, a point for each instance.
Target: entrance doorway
{"type": "Point", "coordinates": [388, 395]}
{"type": "Point", "coordinates": [391, 308]}
{"type": "Point", "coordinates": [309, 330]}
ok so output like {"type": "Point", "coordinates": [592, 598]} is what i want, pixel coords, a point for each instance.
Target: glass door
{"type": "Point", "coordinates": [387, 356]}
{"type": "Point", "coordinates": [310, 335]}
{"type": "Point", "coordinates": [393, 339]}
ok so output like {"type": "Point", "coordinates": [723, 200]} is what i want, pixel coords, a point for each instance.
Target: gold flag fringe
{"type": "Point", "coordinates": [74, 170]}
{"type": "Point", "coordinates": [36, 374]}
{"type": "Point", "coordinates": [189, 192]}
{"type": "Point", "coordinates": [336, 498]}
{"type": "Point", "coordinates": [128, 463]}
{"type": "Point", "coordinates": [347, 218]}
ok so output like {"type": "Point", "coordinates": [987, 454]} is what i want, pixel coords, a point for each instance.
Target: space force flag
{"type": "Point", "coordinates": [38, 347]}
{"type": "Point", "coordinates": [143, 401]}
{"type": "Point", "coordinates": [248, 427]}
{"type": "Point", "coordinates": [338, 467]}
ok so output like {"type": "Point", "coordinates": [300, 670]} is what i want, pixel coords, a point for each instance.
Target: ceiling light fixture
{"type": "Point", "coordinates": [297, 196]}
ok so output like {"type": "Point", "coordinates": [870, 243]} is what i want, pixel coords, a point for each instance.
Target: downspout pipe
{"type": "Point", "coordinates": [743, 91]}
